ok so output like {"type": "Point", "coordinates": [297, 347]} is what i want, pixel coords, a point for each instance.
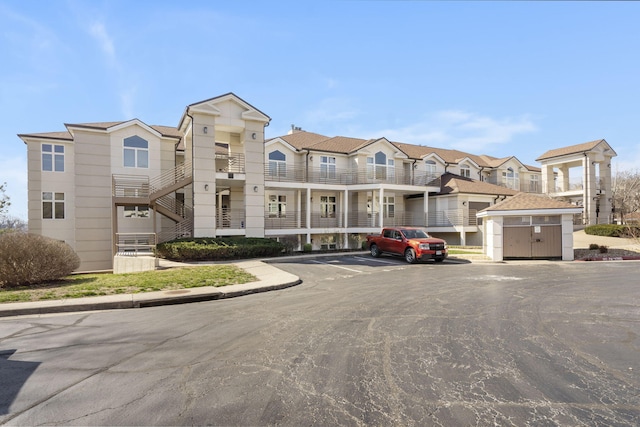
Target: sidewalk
{"type": "Point", "coordinates": [269, 278]}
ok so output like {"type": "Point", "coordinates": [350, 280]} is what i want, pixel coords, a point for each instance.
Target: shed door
{"type": "Point", "coordinates": [532, 237]}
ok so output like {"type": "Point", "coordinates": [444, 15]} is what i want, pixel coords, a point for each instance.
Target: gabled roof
{"type": "Point", "coordinates": [165, 131]}
{"type": "Point", "coordinates": [455, 184]}
{"type": "Point", "coordinates": [530, 201]}
{"type": "Point", "coordinates": [251, 113]}
{"type": "Point", "coordinates": [574, 149]}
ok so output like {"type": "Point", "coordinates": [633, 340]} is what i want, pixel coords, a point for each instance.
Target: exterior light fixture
{"type": "Point", "coordinates": [255, 188]}
{"type": "Point", "coordinates": [253, 135]}
{"type": "Point", "coordinates": [206, 187]}
{"type": "Point", "coordinates": [205, 129]}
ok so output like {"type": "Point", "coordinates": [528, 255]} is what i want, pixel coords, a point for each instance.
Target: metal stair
{"type": "Point", "coordinates": [130, 190]}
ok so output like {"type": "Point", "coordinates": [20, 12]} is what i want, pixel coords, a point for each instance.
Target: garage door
{"type": "Point", "coordinates": [531, 237]}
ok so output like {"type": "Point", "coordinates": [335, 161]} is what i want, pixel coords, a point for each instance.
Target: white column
{"type": "Point", "coordinates": [380, 206]}
{"type": "Point", "coordinates": [426, 209]}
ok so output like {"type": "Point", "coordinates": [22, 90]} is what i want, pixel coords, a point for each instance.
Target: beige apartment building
{"type": "Point", "coordinates": [113, 188]}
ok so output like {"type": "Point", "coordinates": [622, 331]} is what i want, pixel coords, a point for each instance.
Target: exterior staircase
{"type": "Point", "coordinates": [158, 194]}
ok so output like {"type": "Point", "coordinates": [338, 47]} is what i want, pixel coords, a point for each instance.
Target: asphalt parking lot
{"type": "Point", "coordinates": [361, 341]}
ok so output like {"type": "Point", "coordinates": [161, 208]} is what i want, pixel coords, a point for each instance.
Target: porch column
{"type": "Point", "coordinates": [346, 208]}
{"type": "Point", "coordinates": [298, 208]}
{"type": "Point", "coordinates": [380, 206]}
{"type": "Point", "coordinates": [605, 187]}
{"type": "Point", "coordinates": [590, 192]}
{"type": "Point", "coordinates": [308, 218]}
{"type": "Point", "coordinates": [426, 209]}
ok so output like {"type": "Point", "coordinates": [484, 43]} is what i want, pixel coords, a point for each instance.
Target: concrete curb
{"type": "Point", "coordinates": [270, 279]}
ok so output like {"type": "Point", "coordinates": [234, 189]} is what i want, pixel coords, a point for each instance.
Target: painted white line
{"type": "Point", "coordinates": [336, 266]}
{"type": "Point", "coordinates": [375, 260]}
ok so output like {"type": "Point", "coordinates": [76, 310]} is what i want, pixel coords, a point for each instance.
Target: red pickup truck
{"type": "Point", "coordinates": [412, 243]}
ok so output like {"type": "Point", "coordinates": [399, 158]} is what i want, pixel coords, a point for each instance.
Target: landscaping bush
{"type": "Point", "coordinates": [603, 249]}
{"type": "Point", "coordinates": [28, 259]}
{"type": "Point", "coordinates": [218, 249]}
{"type": "Point", "coordinates": [307, 247]}
{"type": "Point", "coordinates": [608, 230]}
{"type": "Point", "coordinates": [593, 246]}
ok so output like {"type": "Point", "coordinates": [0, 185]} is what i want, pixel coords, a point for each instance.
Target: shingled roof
{"type": "Point", "coordinates": [456, 184]}
{"type": "Point", "coordinates": [572, 149]}
{"type": "Point", "coordinates": [530, 201]}
{"type": "Point", "coordinates": [166, 131]}
{"type": "Point", "coordinates": [301, 140]}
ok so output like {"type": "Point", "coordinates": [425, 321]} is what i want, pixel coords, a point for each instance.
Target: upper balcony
{"type": "Point", "coordinates": [526, 186]}
{"type": "Point", "coordinates": [322, 175]}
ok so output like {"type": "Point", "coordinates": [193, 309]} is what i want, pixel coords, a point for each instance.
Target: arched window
{"type": "Point", "coordinates": [379, 167]}
{"type": "Point", "coordinates": [431, 167]}
{"type": "Point", "coordinates": [277, 163]}
{"type": "Point", "coordinates": [511, 179]}
{"type": "Point", "coordinates": [136, 152]}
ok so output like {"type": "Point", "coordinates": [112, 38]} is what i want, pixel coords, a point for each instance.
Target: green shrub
{"type": "Point", "coordinates": [593, 246]}
{"type": "Point", "coordinates": [28, 259]}
{"type": "Point", "coordinates": [307, 247]}
{"type": "Point", "coordinates": [608, 230]}
{"type": "Point", "coordinates": [364, 245]}
{"type": "Point", "coordinates": [603, 249]}
{"type": "Point", "coordinates": [218, 248]}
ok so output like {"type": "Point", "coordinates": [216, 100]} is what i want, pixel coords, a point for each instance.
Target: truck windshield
{"type": "Point", "coordinates": [414, 234]}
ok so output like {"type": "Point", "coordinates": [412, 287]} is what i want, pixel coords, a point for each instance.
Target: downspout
{"type": "Point", "coordinates": [193, 195]}
{"type": "Point", "coordinates": [413, 172]}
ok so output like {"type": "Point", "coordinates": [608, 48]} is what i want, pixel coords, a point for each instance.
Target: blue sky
{"type": "Point", "coordinates": [496, 78]}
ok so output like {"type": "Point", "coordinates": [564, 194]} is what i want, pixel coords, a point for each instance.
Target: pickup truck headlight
{"type": "Point", "coordinates": [424, 246]}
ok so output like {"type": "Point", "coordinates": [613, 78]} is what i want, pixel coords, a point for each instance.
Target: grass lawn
{"type": "Point", "coordinates": [90, 285]}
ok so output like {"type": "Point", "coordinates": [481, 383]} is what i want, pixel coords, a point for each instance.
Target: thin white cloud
{"type": "Point", "coordinates": [461, 130]}
{"type": "Point", "coordinates": [99, 32]}
{"type": "Point", "coordinates": [126, 88]}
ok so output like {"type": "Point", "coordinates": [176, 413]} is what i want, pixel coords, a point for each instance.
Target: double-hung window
{"type": "Point", "coordinates": [136, 152]}
{"type": "Point", "coordinates": [52, 158]}
{"type": "Point", "coordinates": [328, 167]}
{"type": "Point", "coordinates": [389, 206]}
{"type": "Point", "coordinates": [327, 206]}
{"type": "Point", "coordinates": [465, 171]}
{"type": "Point", "coordinates": [277, 206]}
{"type": "Point", "coordinates": [52, 205]}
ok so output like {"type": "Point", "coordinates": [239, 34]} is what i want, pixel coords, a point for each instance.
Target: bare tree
{"type": "Point", "coordinates": [626, 193]}
{"type": "Point", "coordinates": [12, 223]}
{"type": "Point", "coordinates": [4, 200]}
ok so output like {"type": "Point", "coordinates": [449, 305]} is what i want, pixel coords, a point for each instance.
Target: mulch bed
{"type": "Point", "coordinates": [610, 255]}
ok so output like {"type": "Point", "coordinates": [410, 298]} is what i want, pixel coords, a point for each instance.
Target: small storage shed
{"type": "Point", "coordinates": [529, 226]}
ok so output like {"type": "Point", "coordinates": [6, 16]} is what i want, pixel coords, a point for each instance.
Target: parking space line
{"type": "Point", "coordinates": [376, 260]}
{"type": "Point", "coordinates": [337, 266]}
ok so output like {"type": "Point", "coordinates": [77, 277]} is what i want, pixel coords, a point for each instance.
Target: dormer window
{"type": "Point", "coordinates": [465, 171]}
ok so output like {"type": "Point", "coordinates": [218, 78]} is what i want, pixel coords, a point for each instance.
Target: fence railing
{"type": "Point", "coordinates": [171, 176]}
{"type": "Point", "coordinates": [290, 173]}
{"type": "Point", "coordinates": [130, 186]}
{"type": "Point", "coordinates": [230, 218]}
{"type": "Point", "coordinates": [232, 162]}
{"type": "Point", "coordinates": [135, 244]}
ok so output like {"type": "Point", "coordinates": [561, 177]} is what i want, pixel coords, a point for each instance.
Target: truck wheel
{"type": "Point", "coordinates": [410, 255]}
{"type": "Point", "coordinates": [375, 252]}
